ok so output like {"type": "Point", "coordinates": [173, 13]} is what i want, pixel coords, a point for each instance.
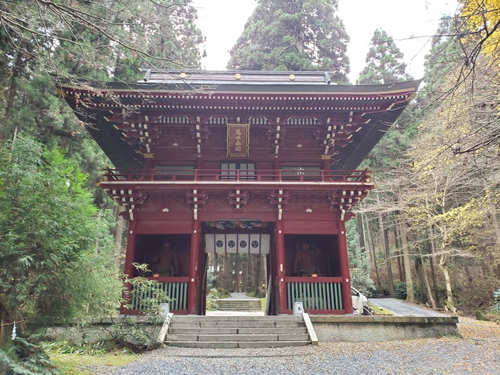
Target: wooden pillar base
{"type": "Point", "coordinates": [344, 267]}
{"type": "Point", "coordinates": [194, 261]}
{"type": "Point", "coordinates": [280, 267]}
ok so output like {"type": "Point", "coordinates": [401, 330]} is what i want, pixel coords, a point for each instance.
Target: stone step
{"type": "Point", "coordinates": [211, 318]}
{"type": "Point", "coordinates": [207, 331]}
{"type": "Point", "coordinates": [238, 305]}
{"type": "Point", "coordinates": [239, 337]}
{"type": "Point", "coordinates": [236, 344]}
{"type": "Point", "coordinates": [237, 331]}
{"type": "Point", "coordinates": [243, 324]}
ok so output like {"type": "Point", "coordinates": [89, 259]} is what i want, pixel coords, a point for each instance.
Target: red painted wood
{"type": "Point", "coordinates": [170, 279]}
{"type": "Point", "coordinates": [129, 260]}
{"type": "Point", "coordinates": [321, 279]}
{"type": "Point", "coordinates": [158, 226]}
{"type": "Point", "coordinates": [193, 268]}
{"type": "Point", "coordinates": [280, 265]}
{"type": "Point", "coordinates": [344, 266]}
{"type": "Point", "coordinates": [306, 226]}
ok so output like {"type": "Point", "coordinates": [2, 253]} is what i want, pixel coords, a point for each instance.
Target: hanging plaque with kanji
{"type": "Point", "coordinates": [238, 141]}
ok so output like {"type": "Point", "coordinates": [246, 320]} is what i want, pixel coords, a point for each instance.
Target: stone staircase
{"type": "Point", "coordinates": [233, 304]}
{"type": "Point", "coordinates": [237, 331]}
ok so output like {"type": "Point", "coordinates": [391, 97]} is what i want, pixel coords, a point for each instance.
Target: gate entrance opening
{"type": "Point", "coordinates": [237, 257]}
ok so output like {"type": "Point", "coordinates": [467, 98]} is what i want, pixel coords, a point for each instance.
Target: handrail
{"type": "Point", "coordinates": [279, 175]}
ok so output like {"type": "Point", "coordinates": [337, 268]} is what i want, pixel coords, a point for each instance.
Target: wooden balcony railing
{"type": "Point", "coordinates": [209, 175]}
{"type": "Point", "coordinates": [176, 288]}
{"type": "Point", "coordinates": [319, 294]}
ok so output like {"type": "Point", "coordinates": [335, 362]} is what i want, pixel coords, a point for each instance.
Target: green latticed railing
{"type": "Point", "coordinates": [145, 297]}
{"type": "Point", "coordinates": [321, 296]}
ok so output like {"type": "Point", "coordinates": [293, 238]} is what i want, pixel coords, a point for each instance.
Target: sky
{"type": "Point", "coordinates": [409, 22]}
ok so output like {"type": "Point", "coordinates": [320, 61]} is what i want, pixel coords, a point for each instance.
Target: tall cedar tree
{"type": "Point", "coordinates": [64, 40]}
{"type": "Point", "coordinates": [293, 35]}
{"type": "Point", "coordinates": [383, 62]}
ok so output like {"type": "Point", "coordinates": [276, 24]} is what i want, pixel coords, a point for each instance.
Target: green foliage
{"type": "Point", "coordinates": [127, 333]}
{"type": "Point", "coordinates": [212, 298]}
{"type": "Point", "coordinates": [297, 35]}
{"type": "Point", "coordinates": [51, 237]}
{"type": "Point", "coordinates": [400, 290]}
{"type": "Point", "coordinates": [358, 261]}
{"type": "Point", "coordinates": [496, 296]}
{"type": "Point", "coordinates": [213, 295]}
{"type": "Point", "coordinates": [23, 357]}
{"type": "Point", "coordinates": [384, 61]}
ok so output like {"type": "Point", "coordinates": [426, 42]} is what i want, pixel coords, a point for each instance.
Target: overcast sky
{"type": "Point", "coordinates": [222, 22]}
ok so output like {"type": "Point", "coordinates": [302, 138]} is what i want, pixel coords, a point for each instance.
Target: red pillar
{"type": "Point", "coordinates": [194, 256]}
{"type": "Point", "coordinates": [280, 267]}
{"type": "Point", "coordinates": [129, 260]}
{"type": "Point", "coordinates": [344, 267]}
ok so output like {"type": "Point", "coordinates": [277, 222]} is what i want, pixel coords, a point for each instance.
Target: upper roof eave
{"type": "Point", "coordinates": [226, 86]}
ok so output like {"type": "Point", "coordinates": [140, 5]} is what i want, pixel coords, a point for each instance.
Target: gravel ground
{"type": "Point", "coordinates": [477, 353]}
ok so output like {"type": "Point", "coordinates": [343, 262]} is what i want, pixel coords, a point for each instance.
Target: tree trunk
{"type": "Point", "coordinates": [410, 294]}
{"type": "Point", "coordinates": [400, 255]}
{"type": "Point", "coordinates": [430, 233]}
{"type": "Point", "coordinates": [450, 305]}
{"type": "Point", "coordinates": [494, 222]}
{"type": "Point", "coordinates": [369, 241]}
{"type": "Point", "coordinates": [397, 237]}
{"type": "Point", "coordinates": [425, 279]}
{"type": "Point", "coordinates": [17, 68]}
{"type": "Point", "coordinates": [385, 249]}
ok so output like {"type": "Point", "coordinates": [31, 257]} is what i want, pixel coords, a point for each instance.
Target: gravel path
{"type": "Point", "coordinates": [400, 307]}
{"type": "Point", "coordinates": [478, 353]}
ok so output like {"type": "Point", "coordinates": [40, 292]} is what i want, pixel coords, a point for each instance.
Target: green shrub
{"type": "Point", "coordinates": [400, 290]}
{"type": "Point", "coordinates": [496, 295]}
{"type": "Point", "coordinates": [24, 357]}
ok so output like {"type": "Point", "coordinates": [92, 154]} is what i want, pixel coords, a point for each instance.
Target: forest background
{"type": "Point", "coordinates": [428, 233]}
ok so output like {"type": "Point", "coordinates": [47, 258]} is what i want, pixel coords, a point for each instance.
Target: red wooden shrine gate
{"type": "Point", "coordinates": [273, 149]}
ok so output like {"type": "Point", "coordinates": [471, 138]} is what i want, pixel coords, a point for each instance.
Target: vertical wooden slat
{"type": "Point", "coordinates": [290, 295]}
{"type": "Point", "coordinates": [333, 287]}
{"type": "Point", "coordinates": [185, 296]}
{"type": "Point", "coordinates": [325, 296]}
{"type": "Point", "coordinates": [316, 295]}
{"type": "Point", "coordinates": [304, 295]}
{"type": "Point", "coordinates": [314, 287]}
{"type": "Point", "coordinates": [176, 294]}
{"type": "Point", "coordinates": [322, 296]}
{"type": "Point", "coordinates": [331, 305]}
{"type": "Point", "coordinates": [339, 295]}
{"type": "Point", "coordinates": [306, 298]}
{"type": "Point", "coordinates": [341, 304]}
{"type": "Point", "coordinates": [301, 287]}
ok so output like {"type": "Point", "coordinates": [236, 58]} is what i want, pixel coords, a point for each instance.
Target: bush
{"type": "Point", "coordinates": [400, 290]}
{"type": "Point", "coordinates": [23, 357]}
{"type": "Point", "coordinates": [496, 295]}
{"type": "Point", "coordinates": [134, 336]}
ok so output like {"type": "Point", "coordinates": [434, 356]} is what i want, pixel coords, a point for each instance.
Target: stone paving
{"type": "Point", "coordinates": [403, 308]}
